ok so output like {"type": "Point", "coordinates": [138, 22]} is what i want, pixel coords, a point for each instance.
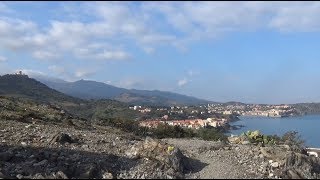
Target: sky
{"type": "Point", "coordinates": [252, 52]}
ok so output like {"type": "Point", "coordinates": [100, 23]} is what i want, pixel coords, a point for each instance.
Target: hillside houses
{"type": "Point", "coordinates": [186, 123]}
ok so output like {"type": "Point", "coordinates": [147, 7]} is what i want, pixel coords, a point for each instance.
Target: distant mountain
{"type": "Point", "coordinates": [86, 89]}
{"type": "Point", "coordinates": [96, 90]}
{"type": "Point", "coordinates": [307, 108]}
{"type": "Point", "coordinates": [24, 87]}
{"type": "Point", "coordinates": [21, 87]}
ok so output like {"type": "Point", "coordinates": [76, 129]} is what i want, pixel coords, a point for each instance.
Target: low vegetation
{"type": "Point", "coordinates": [291, 138]}
{"type": "Point", "coordinates": [164, 130]}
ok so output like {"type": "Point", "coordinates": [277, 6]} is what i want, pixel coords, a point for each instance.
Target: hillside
{"type": "Point", "coordinates": [97, 90]}
{"type": "Point", "coordinates": [24, 87]}
{"type": "Point", "coordinates": [21, 87]}
{"type": "Point", "coordinates": [44, 141]}
{"type": "Point", "coordinates": [86, 89]}
{"type": "Point", "coordinates": [307, 108]}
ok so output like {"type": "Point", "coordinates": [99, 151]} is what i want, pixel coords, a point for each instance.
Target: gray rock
{"type": "Point", "coordinates": [227, 148]}
{"type": "Point", "coordinates": [41, 163]}
{"type": "Point", "coordinates": [275, 164]}
{"type": "Point", "coordinates": [293, 174]}
{"type": "Point", "coordinates": [38, 176]}
{"type": "Point", "coordinates": [19, 176]}
{"type": "Point", "coordinates": [2, 176]}
{"type": "Point", "coordinates": [245, 142]}
{"type": "Point", "coordinates": [89, 171]}
{"type": "Point", "coordinates": [261, 156]}
{"type": "Point", "coordinates": [132, 153]}
{"type": "Point", "coordinates": [60, 175]}
{"type": "Point", "coordinates": [62, 138]}
{"type": "Point", "coordinates": [6, 156]}
{"type": "Point", "coordinates": [107, 175]}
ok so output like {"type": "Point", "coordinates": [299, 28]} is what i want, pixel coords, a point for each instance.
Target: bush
{"type": "Point", "coordinates": [294, 140]}
{"type": "Point", "coordinates": [256, 137]}
{"type": "Point", "coordinates": [167, 131]}
{"type": "Point", "coordinates": [164, 130]}
{"type": "Point", "coordinates": [211, 134]}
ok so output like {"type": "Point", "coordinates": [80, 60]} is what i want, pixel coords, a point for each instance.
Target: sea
{"type": "Point", "coordinates": [308, 127]}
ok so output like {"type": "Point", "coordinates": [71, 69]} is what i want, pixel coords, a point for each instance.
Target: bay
{"type": "Point", "coordinates": [308, 127]}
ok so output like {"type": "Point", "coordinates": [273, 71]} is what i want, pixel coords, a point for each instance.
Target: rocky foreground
{"type": "Point", "coordinates": [45, 150]}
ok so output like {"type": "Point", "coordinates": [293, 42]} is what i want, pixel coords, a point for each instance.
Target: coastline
{"type": "Point", "coordinates": [305, 125]}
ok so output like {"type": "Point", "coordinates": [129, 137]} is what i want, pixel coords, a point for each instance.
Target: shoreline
{"type": "Point", "coordinates": [298, 121]}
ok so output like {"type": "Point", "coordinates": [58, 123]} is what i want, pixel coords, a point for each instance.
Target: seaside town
{"type": "Point", "coordinates": [214, 115]}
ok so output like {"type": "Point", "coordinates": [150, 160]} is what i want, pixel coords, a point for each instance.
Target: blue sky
{"type": "Point", "coordinates": [254, 52]}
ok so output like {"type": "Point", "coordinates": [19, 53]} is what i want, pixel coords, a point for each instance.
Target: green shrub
{"type": "Point", "coordinates": [256, 137]}
{"type": "Point", "coordinates": [211, 134]}
{"type": "Point", "coordinates": [294, 140]}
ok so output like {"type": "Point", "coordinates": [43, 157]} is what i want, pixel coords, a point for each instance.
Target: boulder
{"type": "Point", "coordinates": [169, 156]}
{"type": "Point", "coordinates": [107, 175]}
{"type": "Point", "coordinates": [275, 164]}
{"type": "Point", "coordinates": [60, 175]}
{"type": "Point", "coordinates": [293, 174]}
{"type": "Point", "coordinates": [62, 138]}
{"type": "Point", "coordinates": [41, 163]}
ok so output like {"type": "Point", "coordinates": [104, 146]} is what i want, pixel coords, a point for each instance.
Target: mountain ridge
{"type": "Point", "coordinates": [24, 87]}
{"type": "Point", "coordinates": [89, 89]}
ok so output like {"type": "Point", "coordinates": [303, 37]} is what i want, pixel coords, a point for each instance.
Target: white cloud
{"type": "Point", "coordinates": [183, 82]}
{"type": "Point", "coordinates": [3, 59]}
{"type": "Point", "coordinates": [31, 72]}
{"type": "Point", "coordinates": [83, 73]}
{"type": "Point", "coordinates": [45, 55]}
{"type": "Point", "coordinates": [57, 69]}
{"type": "Point", "coordinates": [60, 37]}
{"type": "Point", "coordinates": [202, 20]}
{"type": "Point", "coordinates": [149, 50]}
{"type": "Point", "coordinates": [108, 82]}
{"type": "Point", "coordinates": [303, 17]}
{"type": "Point", "coordinates": [132, 82]}
{"type": "Point", "coordinates": [116, 55]}
{"type": "Point", "coordinates": [101, 26]}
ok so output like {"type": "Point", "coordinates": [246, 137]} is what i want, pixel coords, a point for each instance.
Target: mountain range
{"type": "Point", "coordinates": [88, 95]}
{"type": "Point", "coordinates": [87, 89]}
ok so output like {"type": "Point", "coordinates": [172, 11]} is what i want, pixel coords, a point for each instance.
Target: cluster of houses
{"type": "Point", "coordinates": [140, 109]}
{"type": "Point", "coordinates": [254, 110]}
{"type": "Point", "coordinates": [186, 123]}
{"type": "Point", "coordinates": [269, 113]}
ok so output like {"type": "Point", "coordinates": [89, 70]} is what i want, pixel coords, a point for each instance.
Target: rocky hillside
{"type": "Point", "coordinates": [25, 87]}
{"type": "Point", "coordinates": [55, 151]}
{"type": "Point", "coordinates": [40, 141]}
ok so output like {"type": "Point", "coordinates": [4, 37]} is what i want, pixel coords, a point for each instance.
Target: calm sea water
{"type": "Point", "coordinates": [308, 126]}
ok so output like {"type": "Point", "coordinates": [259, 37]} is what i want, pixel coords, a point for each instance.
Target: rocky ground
{"type": "Point", "coordinates": [40, 141]}
{"type": "Point", "coordinates": [53, 151]}
{"type": "Point", "coordinates": [229, 161]}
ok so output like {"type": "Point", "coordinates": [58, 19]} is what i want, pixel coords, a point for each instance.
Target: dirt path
{"type": "Point", "coordinates": [213, 160]}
